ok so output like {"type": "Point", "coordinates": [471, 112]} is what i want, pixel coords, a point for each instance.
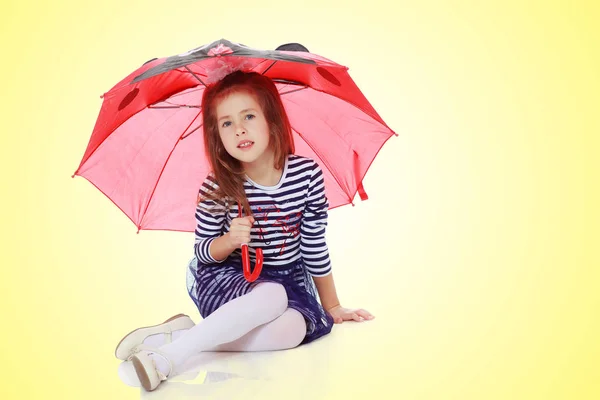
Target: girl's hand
{"type": "Point", "coordinates": [239, 232]}
{"type": "Point", "coordinates": [341, 314]}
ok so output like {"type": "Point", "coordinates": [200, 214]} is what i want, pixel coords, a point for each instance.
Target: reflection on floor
{"type": "Point", "coordinates": [304, 372]}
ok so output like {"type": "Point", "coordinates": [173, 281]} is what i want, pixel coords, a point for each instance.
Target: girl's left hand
{"type": "Point", "coordinates": [341, 314]}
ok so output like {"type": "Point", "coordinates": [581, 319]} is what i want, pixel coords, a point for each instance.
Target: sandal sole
{"type": "Point", "coordinates": [141, 373]}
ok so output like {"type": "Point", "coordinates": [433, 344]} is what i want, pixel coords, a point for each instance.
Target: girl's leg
{"type": "Point", "coordinates": [230, 322]}
{"type": "Point", "coordinates": [285, 332]}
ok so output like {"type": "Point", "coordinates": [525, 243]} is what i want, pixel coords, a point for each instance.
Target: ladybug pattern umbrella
{"type": "Point", "coordinates": [146, 152]}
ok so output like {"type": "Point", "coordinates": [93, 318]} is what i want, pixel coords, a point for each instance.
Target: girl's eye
{"type": "Point", "coordinates": [226, 124]}
{"type": "Point", "coordinates": [250, 116]}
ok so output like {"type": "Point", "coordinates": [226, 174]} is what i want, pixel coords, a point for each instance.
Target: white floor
{"type": "Point", "coordinates": [318, 370]}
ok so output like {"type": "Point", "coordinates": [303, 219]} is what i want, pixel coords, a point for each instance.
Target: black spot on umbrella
{"type": "Point", "coordinates": [129, 98]}
{"type": "Point", "coordinates": [329, 76]}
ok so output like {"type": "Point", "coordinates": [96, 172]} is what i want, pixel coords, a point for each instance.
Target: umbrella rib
{"type": "Point", "coordinates": [143, 216]}
{"type": "Point", "coordinates": [195, 76]}
{"type": "Point", "coordinates": [186, 91]}
{"type": "Point", "coordinates": [295, 90]}
{"type": "Point", "coordinates": [361, 178]}
{"type": "Point", "coordinates": [269, 67]}
{"type": "Point", "coordinates": [376, 117]}
{"type": "Point", "coordinates": [173, 106]}
{"type": "Point", "coordinates": [324, 162]}
{"type": "Point", "coordinates": [193, 130]}
{"type": "Point", "coordinates": [84, 160]}
{"type": "Point", "coordinates": [325, 122]}
{"type": "Point", "coordinates": [287, 81]}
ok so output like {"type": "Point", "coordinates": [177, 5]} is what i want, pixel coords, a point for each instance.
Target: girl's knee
{"type": "Point", "coordinates": [295, 328]}
{"type": "Point", "coordinates": [271, 296]}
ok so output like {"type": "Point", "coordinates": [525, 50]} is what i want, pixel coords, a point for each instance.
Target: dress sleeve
{"type": "Point", "coordinates": [210, 219]}
{"type": "Point", "coordinates": [313, 246]}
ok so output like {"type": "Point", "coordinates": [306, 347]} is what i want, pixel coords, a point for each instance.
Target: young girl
{"type": "Point", "coordinates": [258, 193]}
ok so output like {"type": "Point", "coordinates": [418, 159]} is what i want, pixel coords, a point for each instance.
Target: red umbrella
{"type": "Point", "coordinates": [146, 152]}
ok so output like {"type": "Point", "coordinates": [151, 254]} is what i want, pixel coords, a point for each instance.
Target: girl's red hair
{"type": "Point", "coordinates": [227, 170]}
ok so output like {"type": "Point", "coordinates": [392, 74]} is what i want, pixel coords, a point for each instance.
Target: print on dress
{"type": "Point", "coordinates": [288, 225]}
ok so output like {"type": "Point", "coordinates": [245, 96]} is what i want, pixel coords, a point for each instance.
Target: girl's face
{"type": "Point", "coordinates": [243, 128]}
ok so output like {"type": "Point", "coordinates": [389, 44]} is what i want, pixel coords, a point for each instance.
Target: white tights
{"type": "Point", "coordinates": [257, 321]}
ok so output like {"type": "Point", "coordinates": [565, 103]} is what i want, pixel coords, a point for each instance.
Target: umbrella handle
{"type": "Point", "coordinates": [250, 276]}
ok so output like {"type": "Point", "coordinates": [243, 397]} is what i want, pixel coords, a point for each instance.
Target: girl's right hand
{"type": "Point", "coordinates": [239, 232]}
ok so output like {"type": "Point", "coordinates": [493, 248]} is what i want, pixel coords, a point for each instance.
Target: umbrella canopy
{"type": "Point", "coordinates": [146, 152]}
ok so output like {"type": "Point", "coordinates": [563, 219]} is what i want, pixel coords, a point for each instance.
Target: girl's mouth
{"type": "Point", "coordinates": [245, 145]}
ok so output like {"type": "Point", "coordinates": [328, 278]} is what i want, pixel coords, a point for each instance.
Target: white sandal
{"type": "Point", "coordinates": [133, 341]}
{"type": "Point", "coordinates": [148, 373]}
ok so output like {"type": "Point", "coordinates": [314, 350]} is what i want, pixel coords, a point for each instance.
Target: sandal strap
{"type": "Point", "coordinates": [165, 357]}
{"type": "Point", "coordinates": [137, 349]}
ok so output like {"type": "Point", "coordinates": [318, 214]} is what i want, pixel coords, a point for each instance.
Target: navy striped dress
{"type": "Point", "coordinates": [290, 223]}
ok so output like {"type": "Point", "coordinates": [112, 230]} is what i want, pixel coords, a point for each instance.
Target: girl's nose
{"type": "Point", "coordinates": [240, 130]}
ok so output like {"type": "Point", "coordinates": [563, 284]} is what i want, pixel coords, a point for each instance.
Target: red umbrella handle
{"type": "Point", "coordinates": [250, 276]}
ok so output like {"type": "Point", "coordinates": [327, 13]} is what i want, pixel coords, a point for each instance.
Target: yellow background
{"type": "Point", "coordinates": [477, 251]}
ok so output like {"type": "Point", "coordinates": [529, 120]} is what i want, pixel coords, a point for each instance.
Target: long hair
{"type": "Point", "coordinates": [228, 171]}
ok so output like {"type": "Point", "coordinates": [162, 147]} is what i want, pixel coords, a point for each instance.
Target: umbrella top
{"type": "Point", "coordinates": [220, 48]}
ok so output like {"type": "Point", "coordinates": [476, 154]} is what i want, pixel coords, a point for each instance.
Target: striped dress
{"type": "Point", "coordinates": [290, 224]}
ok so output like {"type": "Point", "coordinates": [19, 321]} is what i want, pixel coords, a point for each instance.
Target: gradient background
{"type": "Point", "coordinates": [483, 273]}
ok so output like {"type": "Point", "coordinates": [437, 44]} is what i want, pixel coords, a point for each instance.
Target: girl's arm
{"type": "Point", "coordinates": [220, 248]}
{"type": "Point", "coordinates": [313, 246]}
{"type": "Point", "coordinates": [212, 246]}
{"type": "Point", "coordinates": [327, 294]}
{"type": "Point", "coordinates": [315, 253]}
{"type": "Point", "coordinates": [210, 218]}
{"type": "Point", "coordinates": [239, 233]}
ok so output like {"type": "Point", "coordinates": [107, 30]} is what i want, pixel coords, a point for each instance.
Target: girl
{"type": "Point", "coordinates": [258, 193]}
